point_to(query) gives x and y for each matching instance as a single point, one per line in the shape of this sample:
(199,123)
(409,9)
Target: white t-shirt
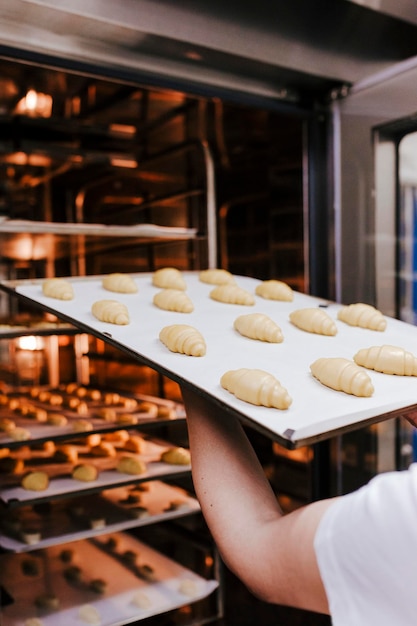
(366,547)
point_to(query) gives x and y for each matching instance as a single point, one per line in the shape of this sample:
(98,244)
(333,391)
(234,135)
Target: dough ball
(176,456)
(35,481)
(131,465)
(85,472)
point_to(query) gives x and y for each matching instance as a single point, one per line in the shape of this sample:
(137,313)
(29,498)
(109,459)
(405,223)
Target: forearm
(273,554)
(236,499)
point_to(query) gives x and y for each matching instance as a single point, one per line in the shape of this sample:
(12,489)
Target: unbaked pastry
(188,587)
(131,465)
(258,326)
(257,387)
(275,290)
(85,472)
(232,294)
(169,278)
(146,572)
(128,403)
(6,424)
(31,536)
(342,375)
(105,449)
(94,394)
(89,614)
(47,601)
(58,288)
(82,408)
(107,414)
(35,481)
(66,453)
(56,419)
(72,403)
(126,418)
(91,440)
(141,600)
(111,397)
(97,523)
(55,399)
(19,433)
(167,412)
(314,320)
(173,300)
(388,360)
(183,339)
(150,408)
(176,456)
(34,621)
(4,452)
(216,276)
(362,315)
(135,443)
(119,283)
(117,436)
(111,311)
(81,426)
(40,415)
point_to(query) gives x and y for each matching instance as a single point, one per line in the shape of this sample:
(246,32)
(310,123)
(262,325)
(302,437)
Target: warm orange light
(193,55)
(30,342)
(35,104)
(130,163)
(122,129)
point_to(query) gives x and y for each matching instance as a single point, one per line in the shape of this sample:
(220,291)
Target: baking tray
(115,606)
(61,483)
(316,413)
(42,431)
(63,521)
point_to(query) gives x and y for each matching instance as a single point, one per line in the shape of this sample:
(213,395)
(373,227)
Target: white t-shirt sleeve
(366,547)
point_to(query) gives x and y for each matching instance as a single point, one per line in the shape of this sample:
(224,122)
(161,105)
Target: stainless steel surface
(273,48)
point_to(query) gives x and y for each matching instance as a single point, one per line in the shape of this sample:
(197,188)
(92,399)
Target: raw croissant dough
(183,339)
(111,311)
(58,288)
(257,387)
(176,456)
(35,481)
(120,283)
(259,326)
(216,277)
(388,360)
(342,375)
(275,290)
(314,320)
(131,465)
(88,614)
(85,472)
(169,278)
(232,294)
(363,315)
(173,300)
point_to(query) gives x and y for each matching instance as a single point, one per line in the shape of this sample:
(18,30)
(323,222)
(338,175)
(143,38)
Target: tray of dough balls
(44,524)
(200,329)
(109,581)
(98,462)
(38,413)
